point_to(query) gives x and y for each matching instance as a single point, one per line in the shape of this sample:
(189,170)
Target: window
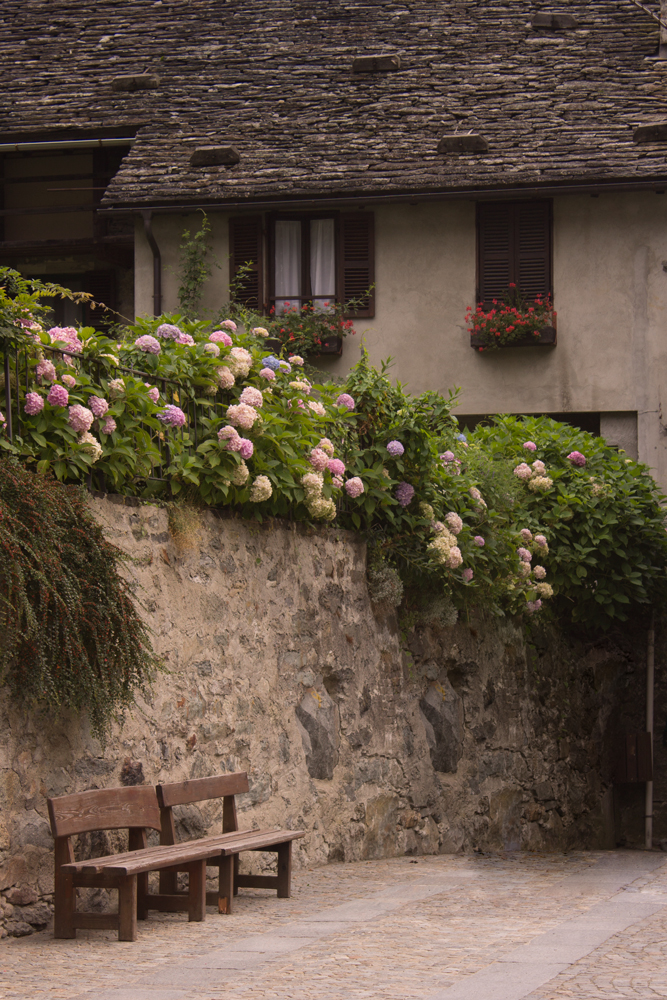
(513,248)
(316,258)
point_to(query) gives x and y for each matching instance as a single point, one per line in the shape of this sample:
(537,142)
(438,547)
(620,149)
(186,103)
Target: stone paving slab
(586,925)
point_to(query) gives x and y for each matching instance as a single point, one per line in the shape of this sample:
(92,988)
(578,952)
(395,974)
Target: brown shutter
(533,248)
(246,247)
(356,260)
(513,245)
(102,286)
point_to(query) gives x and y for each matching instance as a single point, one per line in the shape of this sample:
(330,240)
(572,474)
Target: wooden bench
(227,847)
(135,809)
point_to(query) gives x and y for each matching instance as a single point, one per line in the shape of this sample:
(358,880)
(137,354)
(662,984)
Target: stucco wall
(278,664)
(610,292)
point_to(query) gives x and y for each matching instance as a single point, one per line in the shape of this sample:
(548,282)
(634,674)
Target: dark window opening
(582,421)
(50,228)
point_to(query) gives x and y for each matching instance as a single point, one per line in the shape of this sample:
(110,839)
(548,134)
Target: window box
(547,338)
(330,346)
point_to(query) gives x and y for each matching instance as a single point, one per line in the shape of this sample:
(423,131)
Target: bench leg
(168,883)
(142,896)
(64,907)
(236,872)
(226,884)
(127,909)
(197,890)
(284,869)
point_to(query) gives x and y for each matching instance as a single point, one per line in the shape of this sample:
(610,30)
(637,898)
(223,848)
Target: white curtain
(288,264)
(322,262)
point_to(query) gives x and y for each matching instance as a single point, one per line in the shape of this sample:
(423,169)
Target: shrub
(72,638)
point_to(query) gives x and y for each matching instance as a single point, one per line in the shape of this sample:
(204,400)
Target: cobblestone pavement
(586,925)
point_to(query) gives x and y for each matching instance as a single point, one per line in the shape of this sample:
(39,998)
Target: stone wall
(449,740)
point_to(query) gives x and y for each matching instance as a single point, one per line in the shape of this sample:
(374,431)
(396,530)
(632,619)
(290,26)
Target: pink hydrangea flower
(58,396)
(186,340)
(230,324)
(354,487)
(168,331)
(148,344)
(317,407)
(541,541)
(246,448)
(523,471)
(295,359)
(539,572)
(524,555)
(577,458)
(225,377)
(66,335)
(454,522)
(154,394)
(109,426)
(267,374)
(231,436)
(396,449)
(478,540)
(530,446)
(34,404)
(98,406)
(533,606)
(318,459)
(335,466)
(345,400)
(220,337)
(252,396)
(539,468)
(326,445)
(212,349)
(69,381)
(172,416)
(242,415)
(46,371)
(467,575)
(337,482)
(80,418)
(455,558)
(526,535)
(447,456)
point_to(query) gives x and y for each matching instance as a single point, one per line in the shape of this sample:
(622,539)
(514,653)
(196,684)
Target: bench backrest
(180,793)
(104,809)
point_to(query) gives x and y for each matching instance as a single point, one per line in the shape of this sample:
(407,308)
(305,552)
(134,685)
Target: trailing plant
(71,636)
(510,320)
(196,267)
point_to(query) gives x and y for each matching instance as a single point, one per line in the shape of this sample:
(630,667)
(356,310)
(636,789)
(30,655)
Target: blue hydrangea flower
(271,362)
(461,437)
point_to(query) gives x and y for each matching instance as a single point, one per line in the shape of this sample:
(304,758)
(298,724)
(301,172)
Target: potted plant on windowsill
(313,330)
(512,323)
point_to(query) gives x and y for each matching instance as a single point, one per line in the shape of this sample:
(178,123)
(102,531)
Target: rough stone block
(318,720)
(442,714)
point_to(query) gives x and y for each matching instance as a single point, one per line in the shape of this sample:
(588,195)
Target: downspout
(157,263)
(650,670)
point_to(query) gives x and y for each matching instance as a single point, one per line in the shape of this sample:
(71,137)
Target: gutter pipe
(157,262)
(659,185)
(650,677)
(32,147)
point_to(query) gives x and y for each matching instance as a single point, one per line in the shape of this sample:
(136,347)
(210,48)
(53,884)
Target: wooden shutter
(246,247)
(532,224)
(102,286)
(356,260)
(513,246)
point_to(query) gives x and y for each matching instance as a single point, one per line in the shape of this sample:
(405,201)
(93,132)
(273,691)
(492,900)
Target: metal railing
(19,374)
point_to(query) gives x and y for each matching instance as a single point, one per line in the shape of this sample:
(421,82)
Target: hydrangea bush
(520,515)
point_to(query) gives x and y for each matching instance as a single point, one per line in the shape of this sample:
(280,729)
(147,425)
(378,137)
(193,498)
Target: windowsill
(547,338)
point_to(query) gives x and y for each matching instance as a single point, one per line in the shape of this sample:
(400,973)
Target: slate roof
(274,78)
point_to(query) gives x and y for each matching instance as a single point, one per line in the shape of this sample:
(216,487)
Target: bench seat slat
(259,840)
(157,858)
